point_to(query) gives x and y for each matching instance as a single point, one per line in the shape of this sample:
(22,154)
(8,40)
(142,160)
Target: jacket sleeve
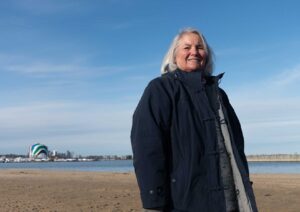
(236,129)
(149,139)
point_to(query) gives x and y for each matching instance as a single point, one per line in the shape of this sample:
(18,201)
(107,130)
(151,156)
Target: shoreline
(85,161)
(50,190)
(273,160)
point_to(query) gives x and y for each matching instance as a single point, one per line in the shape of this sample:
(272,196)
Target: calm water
(126,166)
(274,167)
(101,166)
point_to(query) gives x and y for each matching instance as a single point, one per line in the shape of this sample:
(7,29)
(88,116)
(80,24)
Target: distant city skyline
(72,72)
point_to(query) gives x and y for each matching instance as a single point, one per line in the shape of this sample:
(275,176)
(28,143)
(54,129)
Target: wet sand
(29,190)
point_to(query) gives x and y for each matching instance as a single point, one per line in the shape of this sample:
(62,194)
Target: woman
(187,141)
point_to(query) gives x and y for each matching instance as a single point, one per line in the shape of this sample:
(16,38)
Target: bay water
(127,166)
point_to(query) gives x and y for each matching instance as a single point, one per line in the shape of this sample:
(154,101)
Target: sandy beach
(29,190)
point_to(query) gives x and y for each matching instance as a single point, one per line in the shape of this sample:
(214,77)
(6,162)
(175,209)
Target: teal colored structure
(38,151)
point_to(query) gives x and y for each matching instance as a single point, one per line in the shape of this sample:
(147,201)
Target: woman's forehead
(190,39)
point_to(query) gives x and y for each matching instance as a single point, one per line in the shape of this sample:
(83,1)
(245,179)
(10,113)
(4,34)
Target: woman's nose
(194,51)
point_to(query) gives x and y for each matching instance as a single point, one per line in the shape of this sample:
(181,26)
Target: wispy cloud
(238,51)
(41,67)
(44,68)
(267,113)
(48,114)
(55,121)
(30,66)
(288,77)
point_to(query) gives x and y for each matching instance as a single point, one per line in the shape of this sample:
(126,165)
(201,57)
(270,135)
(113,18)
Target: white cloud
(69,114)
(267,112)
(42,68)
(288,76)
(74,67)
(239,51)
(65,124)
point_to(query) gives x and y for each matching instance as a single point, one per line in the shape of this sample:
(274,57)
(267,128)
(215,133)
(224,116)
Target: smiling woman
(188,46)
(190,53)
(187,142)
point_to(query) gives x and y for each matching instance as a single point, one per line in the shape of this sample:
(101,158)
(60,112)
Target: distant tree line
(13,156)
(70,155)
(109,157)
(274,157)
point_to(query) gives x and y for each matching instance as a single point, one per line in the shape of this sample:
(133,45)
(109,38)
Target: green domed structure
(38,151)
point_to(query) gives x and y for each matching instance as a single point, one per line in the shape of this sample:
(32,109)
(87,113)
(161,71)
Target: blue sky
(72,72)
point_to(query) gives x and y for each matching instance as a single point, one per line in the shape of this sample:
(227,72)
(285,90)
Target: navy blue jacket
(174,144)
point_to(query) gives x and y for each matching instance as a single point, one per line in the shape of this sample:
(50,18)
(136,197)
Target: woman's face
(190,54)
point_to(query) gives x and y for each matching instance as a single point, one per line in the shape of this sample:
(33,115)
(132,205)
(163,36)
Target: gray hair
(168,63)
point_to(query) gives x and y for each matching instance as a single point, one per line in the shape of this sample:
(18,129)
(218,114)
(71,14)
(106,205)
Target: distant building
(54,153)
(38,151)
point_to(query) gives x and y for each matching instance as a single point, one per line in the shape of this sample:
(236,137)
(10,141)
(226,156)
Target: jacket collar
(195,80)
(209,80)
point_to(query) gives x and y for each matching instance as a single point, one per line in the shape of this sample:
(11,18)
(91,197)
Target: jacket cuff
(154,198)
